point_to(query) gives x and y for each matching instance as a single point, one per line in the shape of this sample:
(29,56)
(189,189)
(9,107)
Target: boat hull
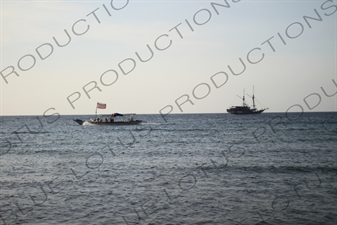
(117,123)
(244,112)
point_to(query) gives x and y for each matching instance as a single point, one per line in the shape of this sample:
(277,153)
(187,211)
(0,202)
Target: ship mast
(253,99)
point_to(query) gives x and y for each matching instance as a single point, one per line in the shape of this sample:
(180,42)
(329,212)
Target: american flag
(101,105)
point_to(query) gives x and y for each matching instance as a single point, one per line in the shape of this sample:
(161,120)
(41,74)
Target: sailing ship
(245,109)
(125,119)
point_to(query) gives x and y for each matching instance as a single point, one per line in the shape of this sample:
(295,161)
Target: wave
(32,132)
(286,169)
(273,169)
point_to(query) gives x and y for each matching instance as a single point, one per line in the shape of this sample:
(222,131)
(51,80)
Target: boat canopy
(118,114)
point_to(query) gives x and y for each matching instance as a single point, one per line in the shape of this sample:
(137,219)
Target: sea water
(272,168)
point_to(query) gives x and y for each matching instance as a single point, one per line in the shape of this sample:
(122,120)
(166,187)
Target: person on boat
(106,120)
(112,119)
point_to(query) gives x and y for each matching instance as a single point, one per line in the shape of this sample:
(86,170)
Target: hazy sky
(287,56)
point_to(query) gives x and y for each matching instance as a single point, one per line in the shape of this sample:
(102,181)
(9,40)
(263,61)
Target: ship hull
(238,112)
(118,123)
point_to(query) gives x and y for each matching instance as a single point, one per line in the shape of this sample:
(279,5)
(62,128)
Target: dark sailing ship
(245,109)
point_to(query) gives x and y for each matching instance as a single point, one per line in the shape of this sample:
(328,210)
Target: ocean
(194,169)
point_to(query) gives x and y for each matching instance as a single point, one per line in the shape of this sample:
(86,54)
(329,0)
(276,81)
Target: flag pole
(96,111)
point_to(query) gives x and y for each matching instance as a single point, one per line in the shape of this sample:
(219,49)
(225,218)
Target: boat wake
(86,123)
(151,123)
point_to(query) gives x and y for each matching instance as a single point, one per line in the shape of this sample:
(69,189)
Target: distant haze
(184,57)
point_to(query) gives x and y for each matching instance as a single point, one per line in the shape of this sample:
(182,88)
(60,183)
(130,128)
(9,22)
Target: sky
(197,47)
